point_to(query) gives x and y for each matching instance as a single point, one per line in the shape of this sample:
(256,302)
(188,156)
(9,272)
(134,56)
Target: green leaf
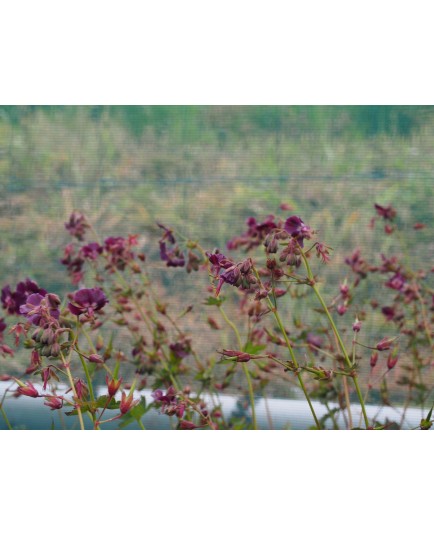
(135,414)
(101,402)
(214,301)
(253,349)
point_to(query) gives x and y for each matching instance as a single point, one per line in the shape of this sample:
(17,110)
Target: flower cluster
(235,274)
(13,300)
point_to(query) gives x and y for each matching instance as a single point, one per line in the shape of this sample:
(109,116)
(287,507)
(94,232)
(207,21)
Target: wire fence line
(19,185)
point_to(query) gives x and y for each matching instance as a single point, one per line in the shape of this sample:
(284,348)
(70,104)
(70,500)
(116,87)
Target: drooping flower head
(387,213)
(255,234)
(77,225)
(119,250)
(87,301)
(91,251)
(173,257)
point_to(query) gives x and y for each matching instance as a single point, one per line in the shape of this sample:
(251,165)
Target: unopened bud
(53,300)
(391,361)
(113,385)
(95,358)
(28,390)
(127,403)
(357,325)
(53,402)
(385,344)
(187,425)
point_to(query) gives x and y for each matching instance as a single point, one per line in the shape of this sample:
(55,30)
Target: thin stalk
(291,351)
(5,417)
(336,332)
(71,383)
(244,367)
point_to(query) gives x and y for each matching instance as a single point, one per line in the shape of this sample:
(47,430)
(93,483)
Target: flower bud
(384,344)
(95,358)
(5,377)
(187,425)
(341,309)
(391,361)
(357,325)
(53,402)
(53,300)
(80,388)
(28,390)
(374,359)
(113,385)
(127,403)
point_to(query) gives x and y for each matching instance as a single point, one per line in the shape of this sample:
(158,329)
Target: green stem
(244,367)
(337,335)
(71,383)
(5,417)
(88,378)
(291,351)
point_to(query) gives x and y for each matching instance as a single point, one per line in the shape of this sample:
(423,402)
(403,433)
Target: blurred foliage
(190,121)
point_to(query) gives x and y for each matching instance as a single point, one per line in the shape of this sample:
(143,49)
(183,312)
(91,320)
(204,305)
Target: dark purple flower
(388,312)
(173,257)
(87,300)
(181,349)
(170,405)
(119,250)
(237,275)
(74,263)
(77,225)
(255,234)
(168,234)
(12,301)
(218,261)
(396,282)
(40,309)
(387,213)
(91,251)
(295,227)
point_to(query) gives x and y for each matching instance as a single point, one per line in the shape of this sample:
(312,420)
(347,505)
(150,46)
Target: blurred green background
(205,169)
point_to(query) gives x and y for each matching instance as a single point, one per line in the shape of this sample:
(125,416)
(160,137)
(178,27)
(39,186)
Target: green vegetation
(83,144)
